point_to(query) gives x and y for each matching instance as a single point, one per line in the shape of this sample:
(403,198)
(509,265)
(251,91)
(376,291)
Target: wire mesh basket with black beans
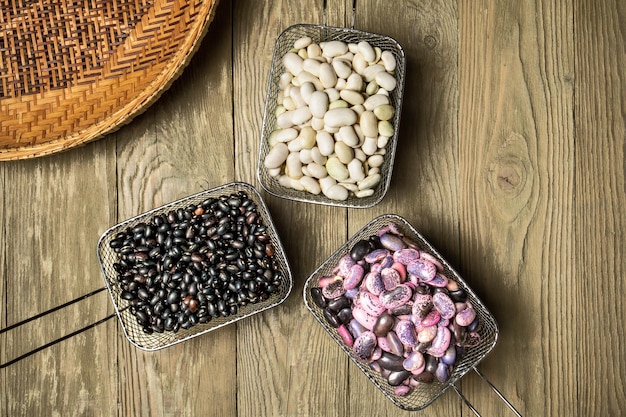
(424,393)
(194,265)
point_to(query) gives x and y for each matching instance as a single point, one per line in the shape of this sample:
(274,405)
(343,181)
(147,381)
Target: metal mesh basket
(320,33)
(424,394)
(153,341)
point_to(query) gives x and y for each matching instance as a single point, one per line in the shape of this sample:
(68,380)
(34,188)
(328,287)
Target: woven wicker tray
(72,71)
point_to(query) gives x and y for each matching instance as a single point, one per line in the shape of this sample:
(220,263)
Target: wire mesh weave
(71,71)
(319,33)
(153,341)
(424,394)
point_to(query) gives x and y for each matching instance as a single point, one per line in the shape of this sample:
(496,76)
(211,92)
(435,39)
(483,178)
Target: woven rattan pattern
(71,71)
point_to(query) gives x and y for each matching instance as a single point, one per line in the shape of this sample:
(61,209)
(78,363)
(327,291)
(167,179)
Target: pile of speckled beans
(391,303)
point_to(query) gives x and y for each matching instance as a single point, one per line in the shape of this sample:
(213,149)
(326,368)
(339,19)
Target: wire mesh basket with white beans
(340,152)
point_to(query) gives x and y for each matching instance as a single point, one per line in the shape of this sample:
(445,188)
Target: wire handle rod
(502,397)
(60,339)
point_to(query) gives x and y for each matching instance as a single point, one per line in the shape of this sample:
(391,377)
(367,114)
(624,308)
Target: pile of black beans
(193,264)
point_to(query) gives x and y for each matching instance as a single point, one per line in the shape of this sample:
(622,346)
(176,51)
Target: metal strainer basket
(155,340)
(321,33)
(424,394)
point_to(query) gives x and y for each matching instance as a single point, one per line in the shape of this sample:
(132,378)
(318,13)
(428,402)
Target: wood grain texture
(180,148)
(600,195)
(517,150)
(274,347)
(510,161)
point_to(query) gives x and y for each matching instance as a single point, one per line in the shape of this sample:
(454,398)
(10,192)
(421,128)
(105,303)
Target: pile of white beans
(333,118)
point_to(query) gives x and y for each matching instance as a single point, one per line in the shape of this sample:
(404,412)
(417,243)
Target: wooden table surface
(510,161)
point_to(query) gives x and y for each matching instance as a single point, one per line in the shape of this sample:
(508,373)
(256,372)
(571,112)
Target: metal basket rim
(432,250)
(305,197)
(288,275)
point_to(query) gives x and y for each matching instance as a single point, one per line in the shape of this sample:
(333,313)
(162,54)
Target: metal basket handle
(60,339)
(502,397)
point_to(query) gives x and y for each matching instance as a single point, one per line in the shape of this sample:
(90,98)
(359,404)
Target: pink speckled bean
(354,277)
(406,256)
(391,278)
(424,270)
(401,270)
(431,318)
(369,303)
(430,258)
(443,304)
(374,283)
(344,265)
(396,297)
(439,281)
(427,334)
(366,320)
(364,346)
(401,390)
(406,333)
(440,342)
(466,316)
(345,335)
(376,255)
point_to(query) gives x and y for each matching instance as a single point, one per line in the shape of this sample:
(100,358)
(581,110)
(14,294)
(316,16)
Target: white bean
(307,135)
(368,123)
(276,156)
(334,48)
(316,170)
(389,61)
(327,76)
(367,51)
(285,135)
(385,128)
(313,50)
(325,143)
(336,169)
(303,42)
(352,97)
(317,156)
(364,193)
(337,192)
(294,166)
(344,153)
(306,90)
(311,185)
(305,156)
(359,63)
(333,94)
(385,80)
(354,82)
(312,66)
(293,63)
(349,136)
(374,101)
(375,161)
(369,182)
(301,115)
(326,183)
(340,117)
(370,72)
(342,68)
(355,168)
(369,146)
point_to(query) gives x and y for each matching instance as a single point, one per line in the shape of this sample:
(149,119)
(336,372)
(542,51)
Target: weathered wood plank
(424,182)
(178,148)
(516,154)
(50,229)
(284,347)
(600,195)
